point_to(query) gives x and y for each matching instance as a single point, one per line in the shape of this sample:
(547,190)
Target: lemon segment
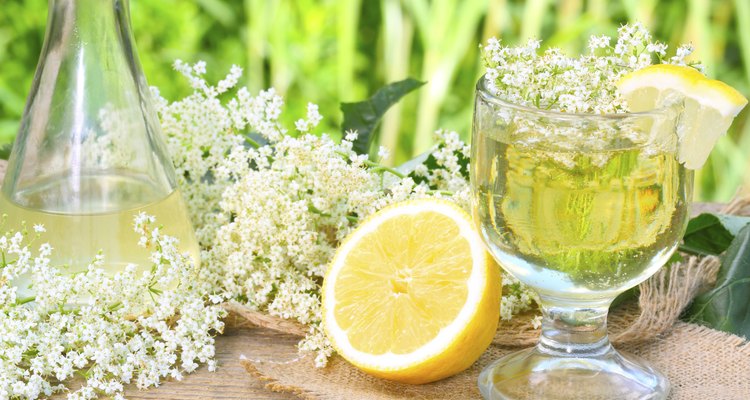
(709,105)
(412,295)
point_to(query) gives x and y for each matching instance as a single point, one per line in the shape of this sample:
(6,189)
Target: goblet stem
(573,360)
(570,329)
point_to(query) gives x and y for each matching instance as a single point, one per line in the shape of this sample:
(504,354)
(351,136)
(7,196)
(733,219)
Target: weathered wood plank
(230,381)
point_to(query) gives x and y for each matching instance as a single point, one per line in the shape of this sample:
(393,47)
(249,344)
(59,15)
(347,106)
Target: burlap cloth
(700,363)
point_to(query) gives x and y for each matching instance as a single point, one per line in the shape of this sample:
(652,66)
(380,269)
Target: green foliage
(5,151)
(364,116)
(333,51)
(711,234)
(431,163)
(21,36)
(726,306)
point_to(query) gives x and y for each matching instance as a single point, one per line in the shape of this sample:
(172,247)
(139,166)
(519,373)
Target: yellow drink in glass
(580,207)
(579,223)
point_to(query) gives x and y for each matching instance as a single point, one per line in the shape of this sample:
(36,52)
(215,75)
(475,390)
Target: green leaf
(364,116)
(254,139)
(409,166)
(5,151)
(630,294)
(431,163)
(711,234)
(727,306)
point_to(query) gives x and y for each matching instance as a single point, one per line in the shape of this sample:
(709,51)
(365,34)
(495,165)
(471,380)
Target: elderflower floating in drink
(582,178)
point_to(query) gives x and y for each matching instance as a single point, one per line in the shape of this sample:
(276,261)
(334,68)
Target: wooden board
(230,381)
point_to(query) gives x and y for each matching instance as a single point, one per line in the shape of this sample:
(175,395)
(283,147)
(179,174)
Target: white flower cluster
(586,84)
(200,130)
(109,329)
(277,205)
(517,298)
(269,209)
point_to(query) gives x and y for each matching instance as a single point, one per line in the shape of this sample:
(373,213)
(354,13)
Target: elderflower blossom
(289,212)
(586,84)
(384,153)
(517,297)
(200,130)
(111,329)
(313,119)
(269,211)
(271,208)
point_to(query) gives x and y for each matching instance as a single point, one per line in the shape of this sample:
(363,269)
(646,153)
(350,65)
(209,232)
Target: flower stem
(440,192)
(251,141)
(378,167)
(375,166)
(25,300)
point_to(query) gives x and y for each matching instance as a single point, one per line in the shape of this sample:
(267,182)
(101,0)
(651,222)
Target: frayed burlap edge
(665,295)
(662,299)
(241,315)
(273,384)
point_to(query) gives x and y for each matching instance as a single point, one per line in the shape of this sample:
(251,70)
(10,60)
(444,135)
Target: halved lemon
(412,294)
(710,105)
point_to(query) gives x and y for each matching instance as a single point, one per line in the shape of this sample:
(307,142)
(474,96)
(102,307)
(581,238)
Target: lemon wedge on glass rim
(412,295)
(710,105)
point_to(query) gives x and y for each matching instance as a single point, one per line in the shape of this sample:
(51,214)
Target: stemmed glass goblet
(580,207)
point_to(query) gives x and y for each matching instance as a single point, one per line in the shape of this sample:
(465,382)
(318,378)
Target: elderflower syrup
(89,154)
(102,222)
(579,223)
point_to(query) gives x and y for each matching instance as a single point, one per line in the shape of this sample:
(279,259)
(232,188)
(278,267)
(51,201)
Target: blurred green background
(328,51)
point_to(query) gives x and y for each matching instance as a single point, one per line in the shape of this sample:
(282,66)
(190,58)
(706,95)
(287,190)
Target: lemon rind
(707,92)
(448,335)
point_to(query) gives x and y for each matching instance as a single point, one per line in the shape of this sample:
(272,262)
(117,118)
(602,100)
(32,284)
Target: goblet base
(537,374)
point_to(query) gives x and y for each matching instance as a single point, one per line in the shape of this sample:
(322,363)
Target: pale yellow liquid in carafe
(102,221)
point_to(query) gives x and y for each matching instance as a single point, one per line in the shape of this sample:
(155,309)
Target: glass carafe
(89,154)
